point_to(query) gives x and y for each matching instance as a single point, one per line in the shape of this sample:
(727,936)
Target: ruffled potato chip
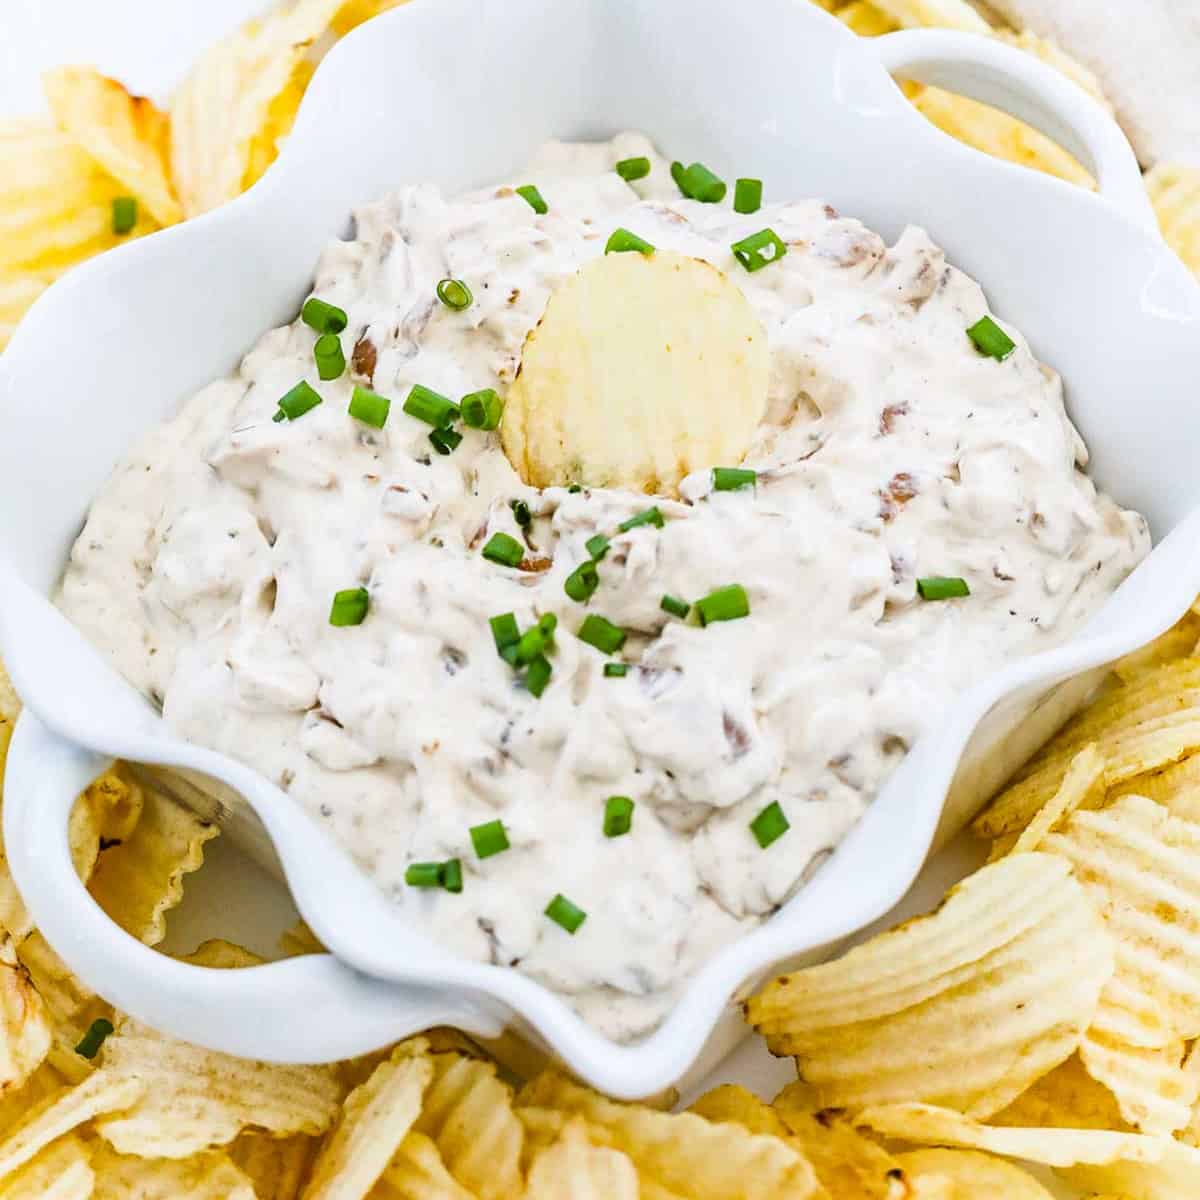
(104,816)
(1175,193)
(1154,1092)
(62,1171)
(209,1176)
(573,1167)
(965,1007)
(731,1102)
(25,1033)
(942,14)
(1082,787)
(971,1175)
(1067,1098)
(865,19)
(417,1172)
(643,368)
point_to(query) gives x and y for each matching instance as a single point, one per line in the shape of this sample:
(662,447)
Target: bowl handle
(1021,85)
(308,1009)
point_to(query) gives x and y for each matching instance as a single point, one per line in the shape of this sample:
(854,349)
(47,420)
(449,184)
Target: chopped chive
(327,353)
(618,816)
(675,606)
(509,654)
(533,198)
(759,249)
(942,587)
(445,441)
(697,182)
(562,912)
(597,546)
(725,604)
(990,339)
(481,410)
(431,407)
(349,607)
(521,513)
(424,875)
(582,581)
(323,317)
(503,549)
(124,214)
(616,670)
(489,838)
(455,294)
(538,675)
(505,631)
(452,877)
(729,479)
(548,623)
(574,488)
(301,399)
(678,173)
(648,516)
(90,1043)
(747,195)
(770,825)
(369,407)
(630,169)
(600,632)
(279,416)
(533,644)
(622,240)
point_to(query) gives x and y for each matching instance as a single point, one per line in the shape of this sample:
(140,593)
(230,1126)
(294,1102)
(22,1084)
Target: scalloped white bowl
(460,92)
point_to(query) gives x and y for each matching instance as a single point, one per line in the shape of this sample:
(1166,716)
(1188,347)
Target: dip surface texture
(891,450)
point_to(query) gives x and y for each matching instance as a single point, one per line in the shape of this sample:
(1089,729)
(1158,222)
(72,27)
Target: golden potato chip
(64,1110)
(17,1102)
(1175,193)
(1053,55)
(417,1172)
(683,1152)
(60,1172)
(276,1166)
(140,880)
(1154,1093)
(730,1102)
(1176,788)
(103,816)
(644,367)
(222,956)
(865,19)
(972,1174)
(376,1117)
(573,1167)
(208,1176)
(1067,1098)
(127,135)
(10,703)
(1178,642)
(468,1113)
(196,1099)
(298,940)
(14,917)
(943,14)
(25,1033)
(965,1007)
(1082,787)
(354,12)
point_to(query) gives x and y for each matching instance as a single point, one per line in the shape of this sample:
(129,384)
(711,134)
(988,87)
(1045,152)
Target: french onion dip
(912,514)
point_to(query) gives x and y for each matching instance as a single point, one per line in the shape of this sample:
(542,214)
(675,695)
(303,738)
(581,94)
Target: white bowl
(460,92)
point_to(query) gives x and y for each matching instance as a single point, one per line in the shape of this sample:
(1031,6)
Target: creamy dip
(892,450)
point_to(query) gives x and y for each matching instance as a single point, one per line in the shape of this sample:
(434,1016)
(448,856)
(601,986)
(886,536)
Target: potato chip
(10,703)
(730,1102)
(1154,1093)
(276,1166)
(62,1171)
(103,816)
(972,1175)
(127,135)
(16,1103)
(376,1117)
(140,880)
(573,1167)
(943,14)
(1067,1098)
(14,916)
(965,1007)
(1082,787)
(1176,788)
(417,1172)
(196,1099)
(1175,193)
(1178,642)
(25,1033)
(298,940)
(222,956)
(209,1176)
(468,1113)
(865,19)
(1053,55)
(643,368)
(683,1152)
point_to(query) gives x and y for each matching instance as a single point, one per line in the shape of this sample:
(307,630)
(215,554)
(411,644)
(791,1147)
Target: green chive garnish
(759,250)
(630,169)
(301,399)
(445,441)
(747,195)
(424,875)
(538,675)
(503,549)
(600,632)
(455,294)
(452,877)
(618,816)
(697,182)
(327,352)
(489,838)
(533,198)
(521,513)
(349,607)
(675,606)
(574,488)
(770,825)
(562,912)
(729,479)
(124,214)
(582,581)
(597,546)
(649,516)
(324,318)
(431,407)
(505,632)
(678,171)
(481,410)
(622,240)
(533,644)
(616,670)
(90,1043)
(990,339)
(942,587)
(725,604)
(369,407)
